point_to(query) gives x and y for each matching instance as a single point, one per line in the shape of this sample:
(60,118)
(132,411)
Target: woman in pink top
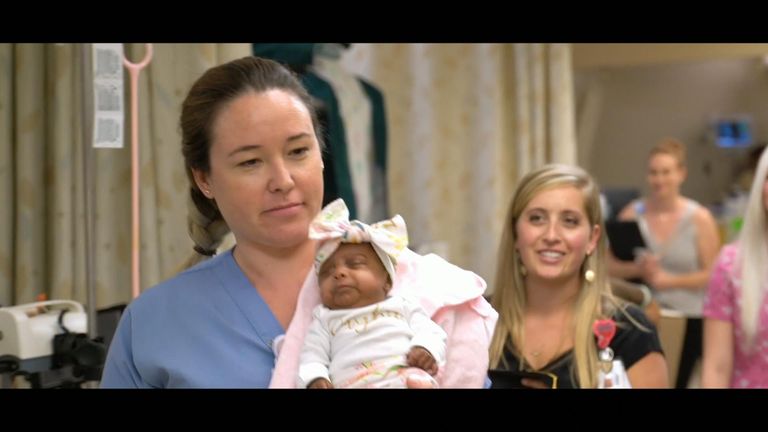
(735,308)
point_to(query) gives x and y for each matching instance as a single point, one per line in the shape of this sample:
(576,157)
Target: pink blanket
(451,295)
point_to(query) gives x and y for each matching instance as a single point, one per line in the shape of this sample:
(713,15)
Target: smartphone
(513,379)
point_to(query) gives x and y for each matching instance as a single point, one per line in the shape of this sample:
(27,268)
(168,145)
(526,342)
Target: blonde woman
(736,308)
(552,287)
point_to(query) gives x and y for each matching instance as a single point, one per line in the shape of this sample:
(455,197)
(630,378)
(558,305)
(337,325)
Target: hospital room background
(462,123)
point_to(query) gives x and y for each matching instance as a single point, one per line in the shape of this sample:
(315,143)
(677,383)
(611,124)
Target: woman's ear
(201,180)
(594,238)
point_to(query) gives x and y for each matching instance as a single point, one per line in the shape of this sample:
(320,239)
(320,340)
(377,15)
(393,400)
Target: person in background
(639,295)
(636,293)
(252,151)
(736,305)
(552,291)
(682,242)
(362,336)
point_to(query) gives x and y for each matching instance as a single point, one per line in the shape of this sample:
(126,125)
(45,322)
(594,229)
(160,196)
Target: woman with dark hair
(252,150)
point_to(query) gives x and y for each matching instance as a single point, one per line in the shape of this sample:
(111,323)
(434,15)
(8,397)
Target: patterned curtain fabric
(466,121)
(42,221)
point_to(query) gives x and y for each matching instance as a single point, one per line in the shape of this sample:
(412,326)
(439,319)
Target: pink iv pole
(133,70)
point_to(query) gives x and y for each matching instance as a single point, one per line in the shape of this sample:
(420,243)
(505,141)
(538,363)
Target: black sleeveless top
(630,344)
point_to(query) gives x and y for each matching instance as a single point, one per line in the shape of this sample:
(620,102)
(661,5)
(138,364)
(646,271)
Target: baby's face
(353,277)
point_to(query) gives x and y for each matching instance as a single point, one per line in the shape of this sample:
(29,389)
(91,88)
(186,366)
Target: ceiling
(587,56)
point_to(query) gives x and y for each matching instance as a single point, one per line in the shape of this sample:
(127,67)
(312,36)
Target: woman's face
(266,168)
(665,175)
(554,235)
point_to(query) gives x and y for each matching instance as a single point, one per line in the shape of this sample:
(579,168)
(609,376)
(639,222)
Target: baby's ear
(387,286)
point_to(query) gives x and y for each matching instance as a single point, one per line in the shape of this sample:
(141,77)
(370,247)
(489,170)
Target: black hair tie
(205,252)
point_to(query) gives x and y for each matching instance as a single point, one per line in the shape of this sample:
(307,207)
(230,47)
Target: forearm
(427,334)
(695,281)
(635,293)
(715,375)
(315,357)
(433,342)
(717,361)
(623,269)
(309,372)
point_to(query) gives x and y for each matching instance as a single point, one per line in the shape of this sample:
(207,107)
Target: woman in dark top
(629,345)
(552,291)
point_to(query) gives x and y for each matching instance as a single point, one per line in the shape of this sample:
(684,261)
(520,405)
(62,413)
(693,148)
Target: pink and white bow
(333,227)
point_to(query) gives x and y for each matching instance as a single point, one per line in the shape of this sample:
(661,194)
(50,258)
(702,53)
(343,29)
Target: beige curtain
(465,121)
(42,224)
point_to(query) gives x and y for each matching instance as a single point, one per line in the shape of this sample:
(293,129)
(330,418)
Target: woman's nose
(281,179)
(551,234)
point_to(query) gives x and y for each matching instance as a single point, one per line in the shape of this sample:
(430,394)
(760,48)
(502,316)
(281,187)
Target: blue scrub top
(207,327)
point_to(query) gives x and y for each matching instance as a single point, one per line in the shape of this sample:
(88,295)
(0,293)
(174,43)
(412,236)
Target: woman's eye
(571,221)
(299,151)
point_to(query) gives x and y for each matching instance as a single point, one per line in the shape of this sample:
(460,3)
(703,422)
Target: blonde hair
(753,254)
(595,300)
(672,147)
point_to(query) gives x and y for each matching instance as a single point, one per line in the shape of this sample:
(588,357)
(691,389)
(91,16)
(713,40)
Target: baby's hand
(320,383)
(422,359)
